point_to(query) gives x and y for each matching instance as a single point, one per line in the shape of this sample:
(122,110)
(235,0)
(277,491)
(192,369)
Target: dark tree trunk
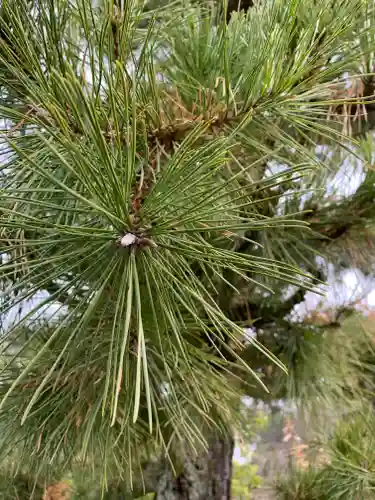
(207,478)
(235,5)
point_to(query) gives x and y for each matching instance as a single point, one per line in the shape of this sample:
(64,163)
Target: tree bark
(208,477)
(236,5)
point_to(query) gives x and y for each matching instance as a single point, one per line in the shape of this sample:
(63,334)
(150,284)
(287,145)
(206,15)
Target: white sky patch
(19,311)
(371,298)
(348,287)
(348,178)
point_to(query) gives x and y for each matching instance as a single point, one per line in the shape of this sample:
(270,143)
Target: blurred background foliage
(236,151)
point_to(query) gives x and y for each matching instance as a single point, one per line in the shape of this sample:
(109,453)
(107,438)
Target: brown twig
(143,187)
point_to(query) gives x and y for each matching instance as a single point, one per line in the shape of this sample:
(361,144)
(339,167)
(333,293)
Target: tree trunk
(208,477)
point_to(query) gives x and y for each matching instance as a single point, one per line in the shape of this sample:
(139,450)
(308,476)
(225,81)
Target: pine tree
(166,202)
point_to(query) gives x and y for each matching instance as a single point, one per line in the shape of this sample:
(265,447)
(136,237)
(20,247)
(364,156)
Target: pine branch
(132,190)
(338,218)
